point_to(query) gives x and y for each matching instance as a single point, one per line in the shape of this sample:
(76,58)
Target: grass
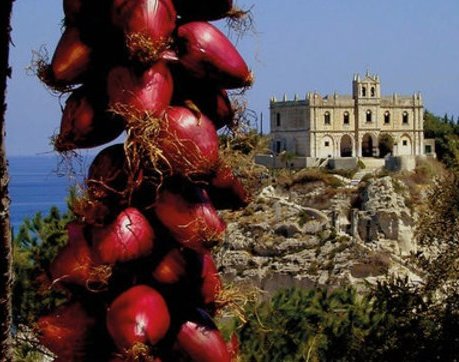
(313,175)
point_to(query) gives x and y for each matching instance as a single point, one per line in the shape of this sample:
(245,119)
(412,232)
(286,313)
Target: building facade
(364,124)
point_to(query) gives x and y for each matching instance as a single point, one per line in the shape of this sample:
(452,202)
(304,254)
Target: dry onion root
(144,50)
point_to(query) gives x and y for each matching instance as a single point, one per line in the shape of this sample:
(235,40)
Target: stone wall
(400,163)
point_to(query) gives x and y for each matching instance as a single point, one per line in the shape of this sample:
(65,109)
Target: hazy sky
(299,46)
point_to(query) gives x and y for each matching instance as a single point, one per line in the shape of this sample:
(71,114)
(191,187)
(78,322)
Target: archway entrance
(405,145)
(367,146)
(346,146)
(385,144)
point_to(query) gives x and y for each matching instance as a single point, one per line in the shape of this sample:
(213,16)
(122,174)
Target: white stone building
(349,125)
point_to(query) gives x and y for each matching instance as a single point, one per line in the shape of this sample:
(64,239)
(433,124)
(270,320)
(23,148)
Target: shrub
(313,325)
(361,165)
(313,175)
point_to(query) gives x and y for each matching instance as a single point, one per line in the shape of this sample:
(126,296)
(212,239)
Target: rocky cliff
(361,235)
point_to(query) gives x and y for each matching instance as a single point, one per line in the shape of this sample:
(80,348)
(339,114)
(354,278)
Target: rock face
(276,243)
(385,216)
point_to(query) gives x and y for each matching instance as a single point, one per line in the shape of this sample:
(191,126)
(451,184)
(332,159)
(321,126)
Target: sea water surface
(39,182)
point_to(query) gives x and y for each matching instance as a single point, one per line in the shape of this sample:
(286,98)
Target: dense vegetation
(396,322)
(445,131)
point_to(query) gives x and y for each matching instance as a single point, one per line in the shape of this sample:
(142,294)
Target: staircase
(372,165)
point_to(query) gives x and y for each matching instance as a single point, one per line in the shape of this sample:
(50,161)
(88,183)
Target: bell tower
(366,90)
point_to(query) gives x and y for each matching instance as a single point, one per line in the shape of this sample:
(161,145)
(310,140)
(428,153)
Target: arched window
(369,116)
(278,119)
(364,91)
(405,117)
(372,91)
(346,117)
(386,117)
(327,118)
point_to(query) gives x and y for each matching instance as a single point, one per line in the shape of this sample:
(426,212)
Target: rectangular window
(405,143)
(278,119)
(369,117)
(405,118)
(278,146)
(327,143)
(428,149)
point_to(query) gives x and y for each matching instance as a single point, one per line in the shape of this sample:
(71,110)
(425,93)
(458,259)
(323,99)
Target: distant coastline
(38,182)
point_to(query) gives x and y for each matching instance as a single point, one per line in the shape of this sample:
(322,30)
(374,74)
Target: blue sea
(39,182)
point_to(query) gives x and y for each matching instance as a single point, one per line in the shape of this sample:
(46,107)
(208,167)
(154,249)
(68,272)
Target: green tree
(386,144)
(35,246)
(446,135)
(308,325)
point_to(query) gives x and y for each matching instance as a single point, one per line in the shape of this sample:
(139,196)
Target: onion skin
(139,315)
(194,224)
(113,186)
(127,238)
(226,191)
(108,173)
(72,10)
(171,268)
(74,262)
(201,341)
(205,10)
(71,59)
(211,283)
(206,97)
(189,143)
(85,123)
(65,332)
(155,19)
(207,54)
(148,93)
(217,106)
(108,186)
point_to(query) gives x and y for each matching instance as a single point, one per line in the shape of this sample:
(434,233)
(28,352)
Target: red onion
(129,237)
(207,54)
(203,9)
(119,359)
(139,315)
(194,223)
(72,10)
(208,98)
(188,142)
(201,341)
(65,332)
(74,263)
(71,58)
(154,18)
(147,24)
(171,268)
(226,191)
(85,123)
(211,282)
(108,173)
(136,94)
